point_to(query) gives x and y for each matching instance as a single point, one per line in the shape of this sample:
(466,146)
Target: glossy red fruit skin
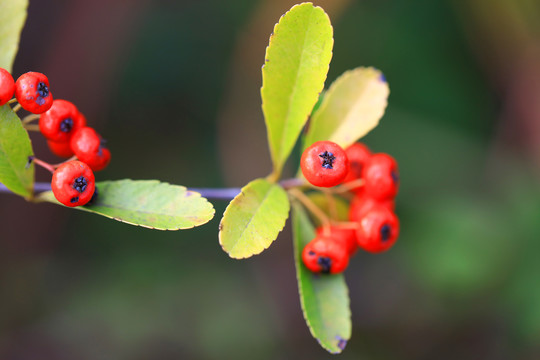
(324,164)
(378,230)
(73,183)
(358,154)
(381,177)
(346,236)
(7,86)
(87,145)
(61,121)
(326,256)
(60,149)
(362,203)
(33,93)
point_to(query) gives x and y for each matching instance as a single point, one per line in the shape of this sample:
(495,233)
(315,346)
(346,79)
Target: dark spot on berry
(80,184)
(382,77)
(395,176)
(42,89)
(311,252)
(328,160)
(74,200)
(66,125)
(386,231)
(325,263)
(341,342)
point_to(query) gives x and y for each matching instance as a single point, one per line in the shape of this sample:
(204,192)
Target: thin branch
(29,118)
(312,208)
(209,193)
(216,194)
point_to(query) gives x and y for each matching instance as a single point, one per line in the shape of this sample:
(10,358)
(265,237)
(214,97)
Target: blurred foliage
(460,283)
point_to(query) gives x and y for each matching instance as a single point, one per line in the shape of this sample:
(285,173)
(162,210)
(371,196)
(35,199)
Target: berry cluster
(372,180)
(67,134)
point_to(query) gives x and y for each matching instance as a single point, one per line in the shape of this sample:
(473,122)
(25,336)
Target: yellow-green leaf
(12,17)
(15,148)
(352,106)
(324,298)
(253,219)
(295,68)
(148,203)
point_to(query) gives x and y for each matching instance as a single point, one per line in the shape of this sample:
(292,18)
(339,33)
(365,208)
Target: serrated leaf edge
(43,197)
(277,169)
(228,209)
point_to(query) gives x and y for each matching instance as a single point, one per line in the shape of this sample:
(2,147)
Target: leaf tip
(341,343)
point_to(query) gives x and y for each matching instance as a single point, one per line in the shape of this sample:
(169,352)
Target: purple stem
(209,193)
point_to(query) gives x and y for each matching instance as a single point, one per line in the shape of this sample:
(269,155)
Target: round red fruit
(358,154)
(345,236)
(381,177)
(324,164)
(61,149)
(7,86)
(378,230)
(324,255)
(33,93)
(73,183)
(362,203)
(61,121)
(89,147)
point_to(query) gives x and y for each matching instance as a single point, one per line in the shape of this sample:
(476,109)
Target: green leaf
(352,106)
(253,219)
(296,64)
(147,203)
(324,298)
(12,17)
(15,148)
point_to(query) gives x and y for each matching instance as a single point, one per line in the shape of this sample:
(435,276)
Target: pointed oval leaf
(12,17)
(15,148)
(296,65)
(253,219)
(324,298)
(147,203)
(352,106)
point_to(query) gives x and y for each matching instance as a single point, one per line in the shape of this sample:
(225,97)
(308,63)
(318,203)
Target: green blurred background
(174,86)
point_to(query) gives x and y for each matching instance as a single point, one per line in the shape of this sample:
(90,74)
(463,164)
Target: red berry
(61,121)
(378,229)
(381,177)
(73,183)
(61,149)
(358,154)
(88,146)
(362,203)
(345,236)
(324,164)
(324,255)
(32,92)
(7,86)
